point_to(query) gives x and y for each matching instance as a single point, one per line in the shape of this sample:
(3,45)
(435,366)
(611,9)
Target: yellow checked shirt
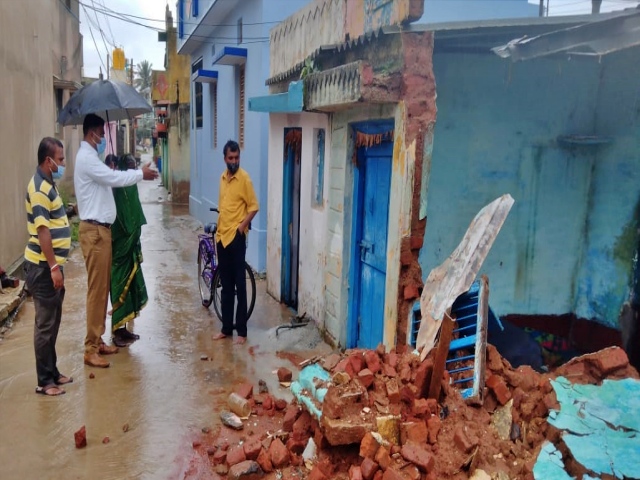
(45,209)
(237,200)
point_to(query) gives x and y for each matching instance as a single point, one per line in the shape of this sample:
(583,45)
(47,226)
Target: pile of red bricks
(376,423)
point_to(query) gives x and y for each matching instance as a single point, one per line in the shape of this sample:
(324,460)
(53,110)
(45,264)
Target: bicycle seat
(211,228)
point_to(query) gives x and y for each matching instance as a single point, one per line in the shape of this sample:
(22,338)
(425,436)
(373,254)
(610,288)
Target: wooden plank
(442,353)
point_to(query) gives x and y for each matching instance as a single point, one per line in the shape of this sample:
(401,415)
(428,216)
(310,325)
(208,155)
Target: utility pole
(541,9)
(595,6)
(132,131)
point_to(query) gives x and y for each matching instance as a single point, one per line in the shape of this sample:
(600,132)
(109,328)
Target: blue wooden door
(374,165)
(291,222)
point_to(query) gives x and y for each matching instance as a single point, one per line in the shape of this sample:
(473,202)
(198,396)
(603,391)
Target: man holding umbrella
(93,182)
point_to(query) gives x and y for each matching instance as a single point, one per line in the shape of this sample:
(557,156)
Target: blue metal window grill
(194,8)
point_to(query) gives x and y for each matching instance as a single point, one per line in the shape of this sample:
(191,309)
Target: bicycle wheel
(251,292)
(205,277)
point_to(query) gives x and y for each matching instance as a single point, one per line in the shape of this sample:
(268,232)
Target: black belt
(100,224)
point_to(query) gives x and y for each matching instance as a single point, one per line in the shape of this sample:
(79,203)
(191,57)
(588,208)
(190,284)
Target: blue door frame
(355,330)
(290,225)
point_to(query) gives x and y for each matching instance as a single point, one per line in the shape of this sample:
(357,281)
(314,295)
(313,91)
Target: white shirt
(93,182)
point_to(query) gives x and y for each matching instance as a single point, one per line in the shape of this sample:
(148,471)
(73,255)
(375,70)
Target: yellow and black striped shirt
(45,209)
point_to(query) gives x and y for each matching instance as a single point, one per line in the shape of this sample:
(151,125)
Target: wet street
(159,386)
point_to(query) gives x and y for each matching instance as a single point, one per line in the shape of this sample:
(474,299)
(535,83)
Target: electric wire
(94,41)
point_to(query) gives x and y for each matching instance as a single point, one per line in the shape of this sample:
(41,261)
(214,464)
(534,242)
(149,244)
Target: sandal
(48,390)
(120,341)
(63,380)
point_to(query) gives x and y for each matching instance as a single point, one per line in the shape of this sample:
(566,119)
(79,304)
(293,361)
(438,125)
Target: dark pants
(233,278)
(48,304)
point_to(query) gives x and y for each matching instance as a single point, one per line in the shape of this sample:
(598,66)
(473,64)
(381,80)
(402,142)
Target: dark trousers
(48,304)
(234,283)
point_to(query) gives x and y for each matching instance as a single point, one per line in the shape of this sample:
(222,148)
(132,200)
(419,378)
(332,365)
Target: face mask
(57,175)
(102,146)
(233,167)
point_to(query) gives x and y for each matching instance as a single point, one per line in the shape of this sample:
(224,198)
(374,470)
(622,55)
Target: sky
(141,43)
(138,42)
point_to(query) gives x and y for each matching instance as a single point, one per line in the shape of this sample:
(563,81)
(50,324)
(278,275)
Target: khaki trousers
(95,242)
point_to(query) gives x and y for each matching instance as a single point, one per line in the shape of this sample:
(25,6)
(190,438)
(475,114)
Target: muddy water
(159,386)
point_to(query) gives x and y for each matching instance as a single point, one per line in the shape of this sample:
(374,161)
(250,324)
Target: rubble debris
(125,428)
(284,375)
(231,420)
(105,440)
(92,375)
(443,438)
(239,405)
(81,437)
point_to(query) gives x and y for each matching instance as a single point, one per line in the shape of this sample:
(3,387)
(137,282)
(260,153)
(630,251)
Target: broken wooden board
(456,274)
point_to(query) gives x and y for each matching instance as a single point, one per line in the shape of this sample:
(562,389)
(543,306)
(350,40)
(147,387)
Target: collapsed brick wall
(419,96)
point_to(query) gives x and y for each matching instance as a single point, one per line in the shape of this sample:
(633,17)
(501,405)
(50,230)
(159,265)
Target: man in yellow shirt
(45,254)
(238,205)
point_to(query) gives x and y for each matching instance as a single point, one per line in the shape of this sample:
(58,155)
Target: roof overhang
(230,56)
(289,102)
(207,23)
(205,76)
(595,38)
(61,84)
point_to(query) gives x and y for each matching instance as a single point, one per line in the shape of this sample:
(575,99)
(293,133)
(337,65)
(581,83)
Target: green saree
(128,290)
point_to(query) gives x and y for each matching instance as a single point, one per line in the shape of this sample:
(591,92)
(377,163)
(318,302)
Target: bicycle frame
(207,245)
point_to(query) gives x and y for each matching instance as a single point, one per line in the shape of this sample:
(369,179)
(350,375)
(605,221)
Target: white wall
(313,220)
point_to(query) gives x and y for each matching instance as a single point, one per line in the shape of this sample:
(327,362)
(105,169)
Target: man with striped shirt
(45,255)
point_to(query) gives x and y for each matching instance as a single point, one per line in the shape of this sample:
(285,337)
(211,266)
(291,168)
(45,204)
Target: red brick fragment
(392,359)
(236,455)
(219,457)
(393,392)
(245,390)
(280,404)
(433,427)
(413,432)
(369,446)
(81,437)
(383,457)
(355,473)
(296,446)
(372,359)
(284,375)
(267,402)
(302,427)
(279,454)
(264,461)
(368,468)
(419,456)
(356,361)
(464,440)
(290,416)
(316,474)
(420,407)
(252,448)
(366,377)
(609,360)
(423,377)
(392,474)
(499,388)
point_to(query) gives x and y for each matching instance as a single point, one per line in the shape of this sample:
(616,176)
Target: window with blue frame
(197,96)
(318,168)
(180,19)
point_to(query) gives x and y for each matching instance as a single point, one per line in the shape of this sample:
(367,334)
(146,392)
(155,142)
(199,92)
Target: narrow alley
(159,386)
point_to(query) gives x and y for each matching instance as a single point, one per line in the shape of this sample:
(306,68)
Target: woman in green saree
(128,290)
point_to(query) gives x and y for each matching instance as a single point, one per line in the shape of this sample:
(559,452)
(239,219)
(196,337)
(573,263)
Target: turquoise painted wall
(567,244)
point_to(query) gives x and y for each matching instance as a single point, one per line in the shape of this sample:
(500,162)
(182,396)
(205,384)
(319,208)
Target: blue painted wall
(436,11)
(568,243)
(207,162)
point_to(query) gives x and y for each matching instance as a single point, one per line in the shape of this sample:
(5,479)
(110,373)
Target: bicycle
(209,281)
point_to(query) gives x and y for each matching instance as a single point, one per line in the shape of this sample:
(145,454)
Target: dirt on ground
(377,423)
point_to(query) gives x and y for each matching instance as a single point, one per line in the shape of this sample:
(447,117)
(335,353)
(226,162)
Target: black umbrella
(110,99)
